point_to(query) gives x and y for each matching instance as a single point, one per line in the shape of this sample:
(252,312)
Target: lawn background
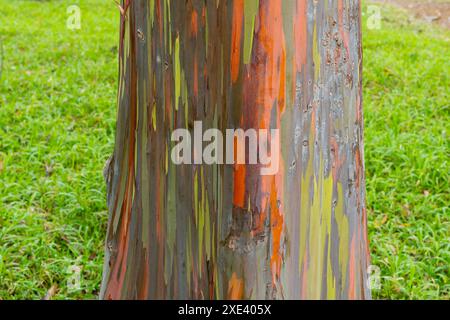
(57,122)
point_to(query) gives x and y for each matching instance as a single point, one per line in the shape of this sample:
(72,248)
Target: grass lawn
(57,120)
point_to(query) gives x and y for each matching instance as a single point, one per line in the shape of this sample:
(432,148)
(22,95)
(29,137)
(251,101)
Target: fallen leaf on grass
(406,212)
(50,293)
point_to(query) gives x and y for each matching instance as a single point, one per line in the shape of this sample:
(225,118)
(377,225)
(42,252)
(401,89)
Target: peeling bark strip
(223,231)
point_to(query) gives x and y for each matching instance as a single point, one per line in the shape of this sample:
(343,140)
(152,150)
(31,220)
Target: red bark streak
(159,17)
(144,280)
(195,76)
(239,179)
(300,35)
(204,16)
(351,285)
(194,23)
(118,270)
(344,34)
(337,161)
(236,38)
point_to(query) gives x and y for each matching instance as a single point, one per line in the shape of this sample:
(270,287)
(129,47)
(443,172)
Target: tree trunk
(225,231)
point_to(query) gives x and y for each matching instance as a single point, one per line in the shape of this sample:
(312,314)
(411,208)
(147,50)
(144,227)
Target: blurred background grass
(57,120)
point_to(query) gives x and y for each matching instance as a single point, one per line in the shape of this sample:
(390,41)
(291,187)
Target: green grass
(57,120)
(406,95)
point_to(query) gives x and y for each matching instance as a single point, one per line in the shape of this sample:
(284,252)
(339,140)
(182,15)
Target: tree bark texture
(225,231)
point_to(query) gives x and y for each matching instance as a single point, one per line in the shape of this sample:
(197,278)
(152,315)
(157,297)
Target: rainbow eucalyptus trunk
(225,231)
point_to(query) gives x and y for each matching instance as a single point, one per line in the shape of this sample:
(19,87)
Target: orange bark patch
(194,23)
(277,221)
(235,288)
(239,185)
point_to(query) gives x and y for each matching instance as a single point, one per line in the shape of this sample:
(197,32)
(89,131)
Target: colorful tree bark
(225,231)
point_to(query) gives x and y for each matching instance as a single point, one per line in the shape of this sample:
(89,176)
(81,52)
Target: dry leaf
(50,293)
(406,212)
